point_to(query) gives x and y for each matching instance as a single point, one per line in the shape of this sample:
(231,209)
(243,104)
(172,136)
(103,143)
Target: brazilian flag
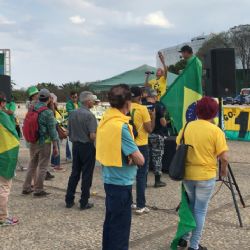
(9,146)
(186,220)
(182,95)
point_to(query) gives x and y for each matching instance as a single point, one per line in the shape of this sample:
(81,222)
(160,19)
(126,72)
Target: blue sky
(70,40)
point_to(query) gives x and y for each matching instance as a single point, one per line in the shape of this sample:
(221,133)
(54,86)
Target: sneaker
(10,221)
(41,194)
(26,192)
(70,205)
(59,169)
(87,206)
(144,210)
(133,206)
(182,243)
(49,176)
(200,248)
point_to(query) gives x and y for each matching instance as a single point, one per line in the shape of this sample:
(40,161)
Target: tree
(179,66)
(220,40)
(19,95)
(240,39)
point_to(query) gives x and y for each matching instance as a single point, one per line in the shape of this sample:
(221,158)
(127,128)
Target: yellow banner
(237,118)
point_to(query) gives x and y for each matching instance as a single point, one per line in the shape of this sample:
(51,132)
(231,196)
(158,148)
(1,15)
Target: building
(5,66)
(173,56)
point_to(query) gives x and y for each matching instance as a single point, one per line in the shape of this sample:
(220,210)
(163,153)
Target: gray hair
(86,96)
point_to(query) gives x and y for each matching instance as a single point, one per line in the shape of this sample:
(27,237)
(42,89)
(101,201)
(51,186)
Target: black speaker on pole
(220,79)
(5,86)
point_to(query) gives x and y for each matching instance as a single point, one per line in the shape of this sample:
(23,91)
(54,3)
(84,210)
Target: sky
(69,40)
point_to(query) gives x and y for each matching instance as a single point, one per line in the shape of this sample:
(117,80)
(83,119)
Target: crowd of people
(128,138)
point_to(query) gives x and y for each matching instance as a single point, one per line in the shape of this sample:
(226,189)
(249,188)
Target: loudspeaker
(5,86)
(220,79)
(169,152)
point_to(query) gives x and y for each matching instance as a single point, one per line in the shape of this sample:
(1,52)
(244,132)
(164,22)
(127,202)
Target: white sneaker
(144,210)
(133,206)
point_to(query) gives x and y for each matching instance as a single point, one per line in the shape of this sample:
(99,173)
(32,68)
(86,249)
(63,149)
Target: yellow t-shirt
(208,142)
(159,85)
(76,105)
(141,116)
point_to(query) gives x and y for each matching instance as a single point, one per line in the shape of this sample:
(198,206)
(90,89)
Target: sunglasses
(75,96)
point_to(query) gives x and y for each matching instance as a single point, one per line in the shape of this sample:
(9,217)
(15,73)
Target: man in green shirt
(186,53)
(10,109)
(71,105)
(40,151)
(73,102)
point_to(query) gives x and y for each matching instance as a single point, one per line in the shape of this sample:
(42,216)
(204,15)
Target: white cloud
(157,19)
(77,20)
(5,21)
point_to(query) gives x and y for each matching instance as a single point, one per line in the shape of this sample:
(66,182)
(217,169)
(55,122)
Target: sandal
(10,221)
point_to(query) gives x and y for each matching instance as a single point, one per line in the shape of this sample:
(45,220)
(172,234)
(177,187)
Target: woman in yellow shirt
(208,144)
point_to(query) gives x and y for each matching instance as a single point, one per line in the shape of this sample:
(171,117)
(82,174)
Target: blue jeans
(117,224)
(199,194)
(141,178)
(56,160)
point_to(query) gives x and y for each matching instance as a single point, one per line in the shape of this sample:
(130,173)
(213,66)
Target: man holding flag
(8,159)
(180,100)
(182,95)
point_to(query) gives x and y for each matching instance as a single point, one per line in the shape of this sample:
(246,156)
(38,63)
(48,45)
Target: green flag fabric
(182,95)
(9,146)
(186,220)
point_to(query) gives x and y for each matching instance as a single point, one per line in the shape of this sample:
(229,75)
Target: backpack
(31,126)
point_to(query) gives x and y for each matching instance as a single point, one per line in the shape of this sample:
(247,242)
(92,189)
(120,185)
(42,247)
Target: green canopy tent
(134,77)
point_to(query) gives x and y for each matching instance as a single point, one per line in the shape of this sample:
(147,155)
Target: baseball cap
(32,91)
(95,98)
(186,48)
(44,93)
(151,92)
(136,91)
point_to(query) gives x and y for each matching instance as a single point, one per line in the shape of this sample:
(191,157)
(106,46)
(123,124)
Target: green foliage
(19,95)
(220,40)
(179,66)
(62,92)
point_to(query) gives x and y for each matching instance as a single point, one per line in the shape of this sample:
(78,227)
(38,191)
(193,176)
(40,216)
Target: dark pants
(141,178)
(116,228)
(83,163)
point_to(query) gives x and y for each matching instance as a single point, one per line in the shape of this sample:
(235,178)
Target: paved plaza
(45,223)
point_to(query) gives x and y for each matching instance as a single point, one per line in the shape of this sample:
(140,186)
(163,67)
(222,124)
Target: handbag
(62,132)
(177,165)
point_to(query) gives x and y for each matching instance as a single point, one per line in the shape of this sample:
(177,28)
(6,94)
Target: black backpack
(131,122)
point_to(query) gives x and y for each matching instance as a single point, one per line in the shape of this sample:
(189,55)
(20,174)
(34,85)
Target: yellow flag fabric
(9,146)
(109,138)
(7,140)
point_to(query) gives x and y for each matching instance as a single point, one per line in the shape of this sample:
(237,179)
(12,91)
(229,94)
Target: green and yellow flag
(9,146)
(182,95)
(186,220)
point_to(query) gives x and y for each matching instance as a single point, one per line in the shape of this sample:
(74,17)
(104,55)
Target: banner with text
(237,123)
